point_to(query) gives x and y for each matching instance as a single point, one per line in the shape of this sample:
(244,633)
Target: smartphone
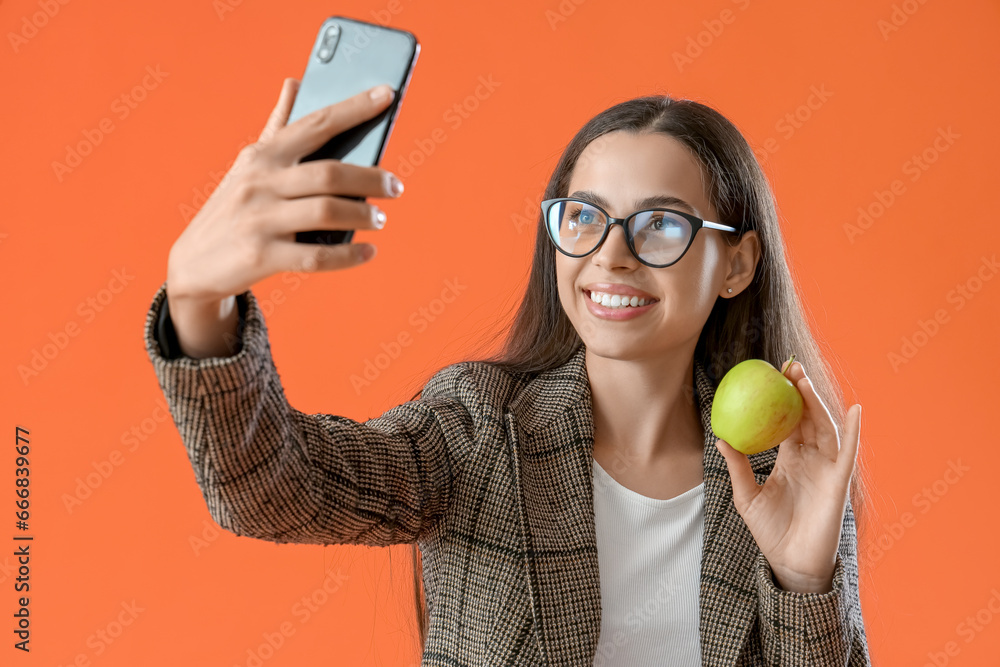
(349,57)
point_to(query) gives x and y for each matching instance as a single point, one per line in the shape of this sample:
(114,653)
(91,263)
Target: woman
(571,503)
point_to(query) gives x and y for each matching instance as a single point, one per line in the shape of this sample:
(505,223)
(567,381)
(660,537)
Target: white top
(649,551)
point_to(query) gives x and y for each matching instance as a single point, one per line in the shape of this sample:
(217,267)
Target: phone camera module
(330,38)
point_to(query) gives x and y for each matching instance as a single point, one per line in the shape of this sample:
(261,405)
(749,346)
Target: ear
(743,257)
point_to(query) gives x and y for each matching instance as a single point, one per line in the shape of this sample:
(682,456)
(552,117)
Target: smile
(617,307)
(618,301)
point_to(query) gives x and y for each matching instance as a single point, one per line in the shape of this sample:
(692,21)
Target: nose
(614,250)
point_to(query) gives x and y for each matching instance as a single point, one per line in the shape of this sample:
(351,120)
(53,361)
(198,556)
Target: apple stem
(788,363)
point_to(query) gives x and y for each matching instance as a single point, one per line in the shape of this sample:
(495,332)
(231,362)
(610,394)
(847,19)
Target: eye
(583,216)
(660,221)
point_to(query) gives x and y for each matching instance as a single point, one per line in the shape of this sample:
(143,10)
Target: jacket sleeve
(815,629)
(271,472)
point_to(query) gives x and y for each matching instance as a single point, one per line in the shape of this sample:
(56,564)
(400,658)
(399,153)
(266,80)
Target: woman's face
(622,168)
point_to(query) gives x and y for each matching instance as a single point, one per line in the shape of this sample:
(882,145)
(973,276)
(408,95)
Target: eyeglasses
(657,237)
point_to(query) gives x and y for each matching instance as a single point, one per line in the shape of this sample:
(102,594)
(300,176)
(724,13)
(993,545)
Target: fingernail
(379,219)
(395,186)
(381,93)
(365,251)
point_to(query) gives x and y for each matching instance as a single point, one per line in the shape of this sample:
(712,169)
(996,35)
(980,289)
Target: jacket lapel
(550,431)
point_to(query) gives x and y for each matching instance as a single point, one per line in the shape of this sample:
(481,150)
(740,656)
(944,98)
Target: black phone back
(349,57)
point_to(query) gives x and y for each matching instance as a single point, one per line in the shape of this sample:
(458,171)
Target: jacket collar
(551,431)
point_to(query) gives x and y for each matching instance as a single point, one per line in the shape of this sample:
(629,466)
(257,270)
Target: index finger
(825,429)
(279,115)
(313,130)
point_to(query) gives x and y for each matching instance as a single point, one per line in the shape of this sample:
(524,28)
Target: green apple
(755,406)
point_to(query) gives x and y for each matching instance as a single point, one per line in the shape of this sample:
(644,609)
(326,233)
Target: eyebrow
(654,201)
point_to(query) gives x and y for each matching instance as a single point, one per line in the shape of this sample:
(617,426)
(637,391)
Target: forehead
(624,167)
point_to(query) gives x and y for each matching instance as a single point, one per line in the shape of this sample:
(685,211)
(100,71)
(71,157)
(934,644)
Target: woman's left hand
(797,515)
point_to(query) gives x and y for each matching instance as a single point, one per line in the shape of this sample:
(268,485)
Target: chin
(613,347)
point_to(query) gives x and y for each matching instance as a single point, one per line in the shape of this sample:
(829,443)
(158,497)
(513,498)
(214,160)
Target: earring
(730,289)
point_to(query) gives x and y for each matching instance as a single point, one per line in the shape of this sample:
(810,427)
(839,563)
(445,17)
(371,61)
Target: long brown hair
(764,321)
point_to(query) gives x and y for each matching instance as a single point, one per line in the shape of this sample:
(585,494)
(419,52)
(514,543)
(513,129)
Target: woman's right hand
(245,231)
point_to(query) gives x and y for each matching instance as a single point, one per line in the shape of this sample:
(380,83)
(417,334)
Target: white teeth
(616,300)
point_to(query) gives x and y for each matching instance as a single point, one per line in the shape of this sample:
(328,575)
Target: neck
(645,410)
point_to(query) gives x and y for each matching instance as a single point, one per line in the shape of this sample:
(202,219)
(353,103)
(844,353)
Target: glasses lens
(660,236)
(575,226)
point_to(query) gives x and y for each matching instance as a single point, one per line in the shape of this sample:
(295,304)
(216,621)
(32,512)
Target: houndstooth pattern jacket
(492,477)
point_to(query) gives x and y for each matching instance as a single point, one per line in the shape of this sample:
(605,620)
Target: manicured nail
(395,186)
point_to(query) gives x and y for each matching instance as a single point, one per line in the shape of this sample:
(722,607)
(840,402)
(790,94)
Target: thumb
(279,116)
(745,487)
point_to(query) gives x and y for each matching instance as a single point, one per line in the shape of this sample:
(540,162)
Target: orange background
(555,65)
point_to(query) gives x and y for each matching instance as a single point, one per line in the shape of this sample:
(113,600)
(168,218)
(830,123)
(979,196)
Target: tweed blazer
(491,475)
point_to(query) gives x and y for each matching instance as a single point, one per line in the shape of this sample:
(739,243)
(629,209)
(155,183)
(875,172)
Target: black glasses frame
(696,224)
